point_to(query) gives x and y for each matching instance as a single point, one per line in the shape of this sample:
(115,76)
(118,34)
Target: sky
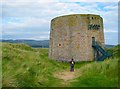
(30,19)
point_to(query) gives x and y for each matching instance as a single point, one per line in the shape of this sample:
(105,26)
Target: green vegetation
(23,66)
(99,74)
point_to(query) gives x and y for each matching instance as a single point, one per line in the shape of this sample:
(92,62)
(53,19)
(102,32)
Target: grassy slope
(27,67)
(0,65)
(98,74)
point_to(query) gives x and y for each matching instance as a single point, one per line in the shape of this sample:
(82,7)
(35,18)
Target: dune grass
(23,66)
(0,65)
(102,74)
(27,67)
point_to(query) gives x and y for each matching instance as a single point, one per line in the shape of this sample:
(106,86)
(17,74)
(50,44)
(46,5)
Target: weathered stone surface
(70,37)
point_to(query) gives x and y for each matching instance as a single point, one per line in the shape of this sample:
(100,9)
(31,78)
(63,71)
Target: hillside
(32,43)
(39,43)
(23,66)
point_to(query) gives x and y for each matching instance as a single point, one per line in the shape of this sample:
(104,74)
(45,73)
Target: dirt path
(67,76)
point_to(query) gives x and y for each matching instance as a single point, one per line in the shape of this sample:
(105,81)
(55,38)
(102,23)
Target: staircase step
(101,50)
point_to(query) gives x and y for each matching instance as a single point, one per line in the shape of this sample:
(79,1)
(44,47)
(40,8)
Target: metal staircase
(99,49)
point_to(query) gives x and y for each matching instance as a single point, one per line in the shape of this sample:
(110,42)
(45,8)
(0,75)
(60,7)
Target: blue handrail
(97,46)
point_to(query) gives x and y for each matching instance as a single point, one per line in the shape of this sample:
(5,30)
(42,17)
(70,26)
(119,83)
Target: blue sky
(24,19)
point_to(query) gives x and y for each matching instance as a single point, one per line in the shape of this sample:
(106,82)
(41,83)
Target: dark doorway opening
(93,41)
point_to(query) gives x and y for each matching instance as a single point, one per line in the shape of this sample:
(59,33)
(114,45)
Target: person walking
(72,62)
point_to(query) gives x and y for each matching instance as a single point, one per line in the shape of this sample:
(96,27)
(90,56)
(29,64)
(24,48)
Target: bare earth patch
(67,75)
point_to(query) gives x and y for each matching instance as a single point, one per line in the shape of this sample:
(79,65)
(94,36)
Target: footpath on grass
(67,76)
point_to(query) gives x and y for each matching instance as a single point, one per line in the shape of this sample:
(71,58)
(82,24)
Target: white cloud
(89,0)
(39,38)
(110,31)
(23,16)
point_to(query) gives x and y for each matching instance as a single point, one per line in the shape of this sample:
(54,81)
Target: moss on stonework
(72,32)
(72,21)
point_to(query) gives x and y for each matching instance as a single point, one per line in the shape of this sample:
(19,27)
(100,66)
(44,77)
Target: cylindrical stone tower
(71,36)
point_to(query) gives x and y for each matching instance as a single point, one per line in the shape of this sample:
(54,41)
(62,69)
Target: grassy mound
(24,66)
(102,74)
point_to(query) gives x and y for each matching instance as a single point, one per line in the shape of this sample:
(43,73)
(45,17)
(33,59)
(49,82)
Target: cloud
(110,31)
(89,0)
(23,19)
(39,38)
(111,38)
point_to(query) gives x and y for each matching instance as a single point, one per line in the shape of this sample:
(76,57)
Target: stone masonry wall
(71,37)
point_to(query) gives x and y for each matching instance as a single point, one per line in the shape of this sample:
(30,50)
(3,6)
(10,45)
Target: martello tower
(71,36)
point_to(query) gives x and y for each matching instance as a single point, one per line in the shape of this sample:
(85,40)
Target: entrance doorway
(93,41)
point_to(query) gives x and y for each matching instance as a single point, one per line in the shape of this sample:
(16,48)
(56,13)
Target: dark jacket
(72,62)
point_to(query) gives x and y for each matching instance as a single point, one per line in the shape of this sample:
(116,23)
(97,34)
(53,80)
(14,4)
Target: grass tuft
(23,66)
